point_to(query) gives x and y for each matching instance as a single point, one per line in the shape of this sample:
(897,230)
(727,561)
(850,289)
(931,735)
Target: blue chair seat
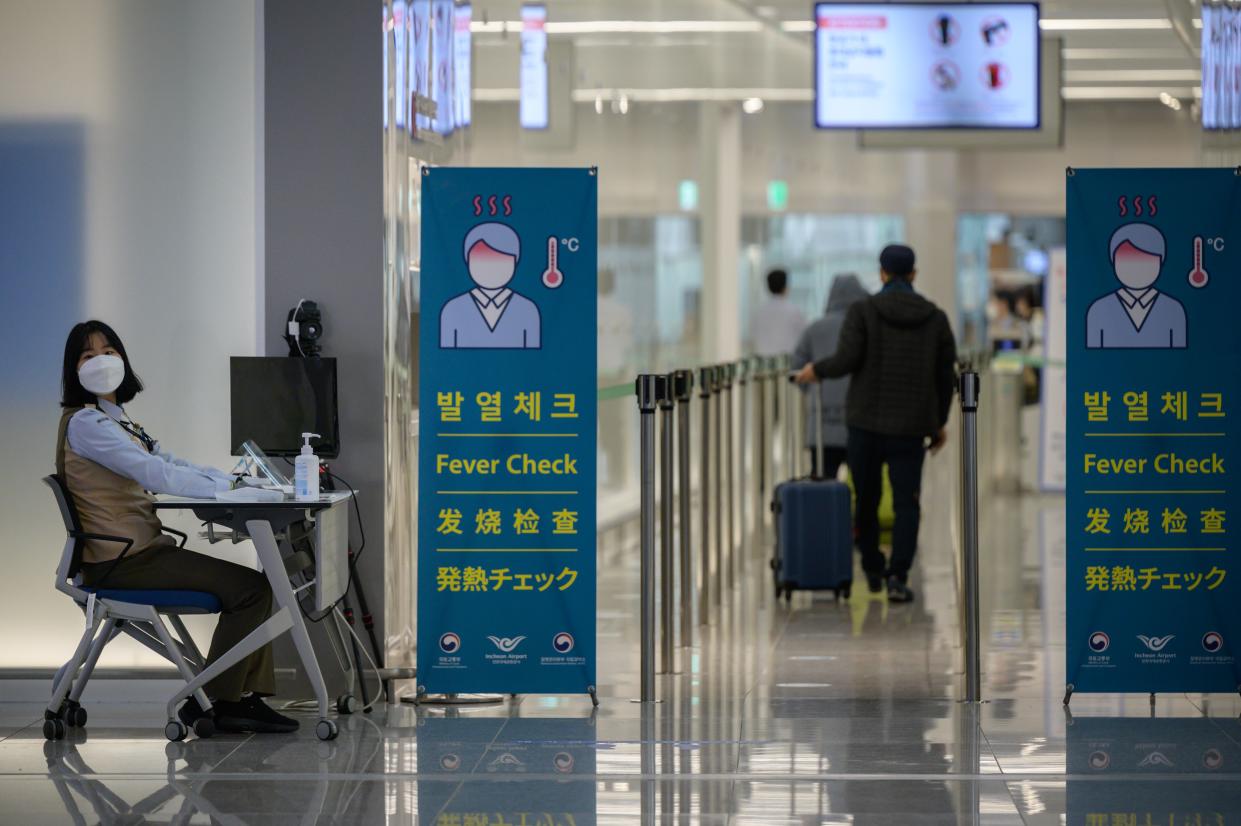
(196,601)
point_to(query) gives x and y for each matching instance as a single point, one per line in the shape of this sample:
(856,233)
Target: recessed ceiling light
(1078,24)
(752,106)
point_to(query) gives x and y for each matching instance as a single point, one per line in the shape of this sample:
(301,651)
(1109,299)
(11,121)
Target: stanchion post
(717,401)
(970,385)
(647,392)
(790,421)
(705,380)
(766,456)
(762,442)
(730,437)
(682,390)
(802,433)
(667,622)
(742,447)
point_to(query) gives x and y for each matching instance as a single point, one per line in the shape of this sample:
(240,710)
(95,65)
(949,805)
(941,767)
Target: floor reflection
(811,712)
(1174,771)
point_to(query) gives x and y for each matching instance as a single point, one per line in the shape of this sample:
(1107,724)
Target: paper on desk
(250,495)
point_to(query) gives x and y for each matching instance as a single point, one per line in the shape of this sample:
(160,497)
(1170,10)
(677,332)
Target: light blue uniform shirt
(97,436)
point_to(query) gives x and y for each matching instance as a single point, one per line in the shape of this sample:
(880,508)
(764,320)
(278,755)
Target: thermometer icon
(1198,277)
(552,276)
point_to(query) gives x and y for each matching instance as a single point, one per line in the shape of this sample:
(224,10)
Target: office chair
(140,613)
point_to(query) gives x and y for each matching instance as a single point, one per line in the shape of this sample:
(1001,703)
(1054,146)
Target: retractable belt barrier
(730,437)
(734,445)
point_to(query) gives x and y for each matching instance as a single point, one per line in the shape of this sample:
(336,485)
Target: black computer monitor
(275,400)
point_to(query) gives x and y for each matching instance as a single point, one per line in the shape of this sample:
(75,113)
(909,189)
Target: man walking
(899,349)
(778,323)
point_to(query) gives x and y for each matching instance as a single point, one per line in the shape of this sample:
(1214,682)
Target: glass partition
(1001,263)
(650,280)
(814,249)
(650,283)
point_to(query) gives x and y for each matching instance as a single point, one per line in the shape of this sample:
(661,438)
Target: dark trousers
(868,452)
(831,458)
(244,594)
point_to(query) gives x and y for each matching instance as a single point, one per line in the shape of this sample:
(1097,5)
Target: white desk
(262,521)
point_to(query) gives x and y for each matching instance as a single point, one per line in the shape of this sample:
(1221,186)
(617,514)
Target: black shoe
(874,583)
(899,591)
(190,711)
(262,718)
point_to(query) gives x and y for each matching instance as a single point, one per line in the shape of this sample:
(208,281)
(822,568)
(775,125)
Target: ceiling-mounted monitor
(1221,67)
(533,108)
(462,45)
(926,65)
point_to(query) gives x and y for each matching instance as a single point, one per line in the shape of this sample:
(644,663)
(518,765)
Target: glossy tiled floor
(814,712)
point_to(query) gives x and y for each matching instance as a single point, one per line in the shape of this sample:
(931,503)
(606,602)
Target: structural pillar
(719,188)
(931,209)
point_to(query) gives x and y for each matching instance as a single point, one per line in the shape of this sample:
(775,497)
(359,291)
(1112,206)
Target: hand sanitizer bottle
(306,473)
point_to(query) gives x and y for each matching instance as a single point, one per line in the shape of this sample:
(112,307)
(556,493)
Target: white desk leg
(273,566)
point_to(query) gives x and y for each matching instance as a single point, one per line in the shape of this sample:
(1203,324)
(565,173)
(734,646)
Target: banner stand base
(477,699)
(453,699)
(1068,695)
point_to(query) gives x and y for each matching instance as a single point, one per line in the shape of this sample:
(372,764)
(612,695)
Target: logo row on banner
(1154,362)
(507,469)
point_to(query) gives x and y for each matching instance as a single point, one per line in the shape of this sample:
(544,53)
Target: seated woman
(111,467)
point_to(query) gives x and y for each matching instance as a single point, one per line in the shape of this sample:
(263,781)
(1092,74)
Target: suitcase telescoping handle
(816,410)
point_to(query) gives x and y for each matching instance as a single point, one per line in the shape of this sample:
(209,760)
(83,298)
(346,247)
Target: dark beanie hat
(897,260)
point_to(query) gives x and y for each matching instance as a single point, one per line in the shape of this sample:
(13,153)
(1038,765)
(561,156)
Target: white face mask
(101,375)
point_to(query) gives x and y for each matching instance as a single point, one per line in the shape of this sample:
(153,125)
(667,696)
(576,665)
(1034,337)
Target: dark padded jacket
(899,349)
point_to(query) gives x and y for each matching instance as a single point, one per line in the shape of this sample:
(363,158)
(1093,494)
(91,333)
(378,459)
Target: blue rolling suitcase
(814,535)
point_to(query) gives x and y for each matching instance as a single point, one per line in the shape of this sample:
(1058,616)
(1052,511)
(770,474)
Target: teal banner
(506,485)
(1154,384)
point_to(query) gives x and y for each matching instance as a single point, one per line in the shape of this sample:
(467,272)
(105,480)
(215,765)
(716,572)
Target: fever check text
(518,464)
(1164,463)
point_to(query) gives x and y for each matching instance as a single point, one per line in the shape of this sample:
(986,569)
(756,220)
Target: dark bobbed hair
(72,393)
(777,281)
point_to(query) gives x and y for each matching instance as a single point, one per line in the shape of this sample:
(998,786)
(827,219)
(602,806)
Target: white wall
(154,104)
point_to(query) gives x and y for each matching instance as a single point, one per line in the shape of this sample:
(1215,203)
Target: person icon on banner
(491,315)
(1137,316)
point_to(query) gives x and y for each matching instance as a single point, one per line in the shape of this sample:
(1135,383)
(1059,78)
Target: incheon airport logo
(1156,759)
(450,643)
(1212,642)
(507,644)
(1100,642)
(1156,644)
(563,642)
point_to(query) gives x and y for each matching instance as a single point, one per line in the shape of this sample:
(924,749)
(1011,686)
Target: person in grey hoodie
(817,342)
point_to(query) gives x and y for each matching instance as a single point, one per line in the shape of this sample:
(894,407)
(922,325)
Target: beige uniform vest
(106,502)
